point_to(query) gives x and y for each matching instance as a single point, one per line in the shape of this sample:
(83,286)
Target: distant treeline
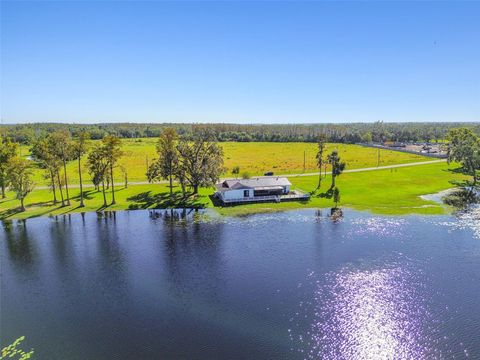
(341,133)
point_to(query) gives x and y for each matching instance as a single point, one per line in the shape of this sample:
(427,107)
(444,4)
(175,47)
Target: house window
(246,193)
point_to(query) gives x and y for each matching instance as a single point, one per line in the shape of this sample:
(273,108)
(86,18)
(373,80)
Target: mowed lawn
(256,158)
(392,191)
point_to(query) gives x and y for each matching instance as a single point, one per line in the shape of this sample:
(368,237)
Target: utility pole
(303,160)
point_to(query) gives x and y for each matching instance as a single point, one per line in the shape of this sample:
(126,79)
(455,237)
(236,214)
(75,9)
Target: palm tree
(337,166)
(322,140)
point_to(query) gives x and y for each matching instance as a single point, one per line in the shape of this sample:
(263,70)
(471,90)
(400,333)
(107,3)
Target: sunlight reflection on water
(377,313)
(378,226)
(466,220)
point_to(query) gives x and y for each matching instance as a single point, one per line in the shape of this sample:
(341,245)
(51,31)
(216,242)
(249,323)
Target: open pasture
(255,158)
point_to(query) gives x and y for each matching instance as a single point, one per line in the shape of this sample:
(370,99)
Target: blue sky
(243,62)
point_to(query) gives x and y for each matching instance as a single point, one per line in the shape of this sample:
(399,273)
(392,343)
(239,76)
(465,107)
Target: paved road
(120,184)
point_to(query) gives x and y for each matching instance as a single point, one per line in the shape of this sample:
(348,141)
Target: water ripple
(381,226)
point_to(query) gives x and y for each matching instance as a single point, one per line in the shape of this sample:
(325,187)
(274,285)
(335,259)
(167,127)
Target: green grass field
(254,158)
(392,191)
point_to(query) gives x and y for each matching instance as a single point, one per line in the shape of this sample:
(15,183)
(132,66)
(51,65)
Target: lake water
(142,285)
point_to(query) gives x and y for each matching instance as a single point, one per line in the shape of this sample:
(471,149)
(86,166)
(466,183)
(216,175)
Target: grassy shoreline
(388,191)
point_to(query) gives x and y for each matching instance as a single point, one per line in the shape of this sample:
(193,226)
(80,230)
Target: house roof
(259,183)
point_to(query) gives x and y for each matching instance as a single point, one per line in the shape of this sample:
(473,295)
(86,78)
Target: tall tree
(62,143)
(337,166)
(200,161)
(322,142)
(19,177)
(43,154)
(98,169)
(8,149)
(112,146)
(464,147)
(167,163)
(79,148)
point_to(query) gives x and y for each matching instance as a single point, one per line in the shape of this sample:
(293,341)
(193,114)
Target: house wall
(238,194)
(235,194)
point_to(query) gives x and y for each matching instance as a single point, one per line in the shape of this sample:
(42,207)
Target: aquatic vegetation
(13,351)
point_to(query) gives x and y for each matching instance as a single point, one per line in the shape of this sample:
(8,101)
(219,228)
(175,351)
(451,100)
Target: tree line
(339,133)
(193,164)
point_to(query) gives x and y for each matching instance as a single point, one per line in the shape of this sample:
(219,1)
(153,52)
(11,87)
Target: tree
(98,168)
(337,166)
(20,178)
(43,153)
(200,161)
(322,142)
(79,148)
(8,149)
(367,138)
(464,147)
(112,147)
(62,146)
(236,170)
(125,175)
(166,165)
(336,196)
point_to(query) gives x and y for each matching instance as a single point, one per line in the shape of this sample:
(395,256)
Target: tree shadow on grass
(148,200)
(457,170)
(87,195)
(460,183)
(326,195)
(17,210)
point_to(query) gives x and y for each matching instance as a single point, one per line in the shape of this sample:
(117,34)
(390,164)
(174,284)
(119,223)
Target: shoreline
(387,191)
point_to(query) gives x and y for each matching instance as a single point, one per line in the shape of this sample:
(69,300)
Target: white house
(245,190)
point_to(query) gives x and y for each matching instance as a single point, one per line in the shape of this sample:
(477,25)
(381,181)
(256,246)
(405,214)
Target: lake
(150,285)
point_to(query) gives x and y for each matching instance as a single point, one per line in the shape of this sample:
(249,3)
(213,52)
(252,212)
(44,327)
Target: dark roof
(254,183)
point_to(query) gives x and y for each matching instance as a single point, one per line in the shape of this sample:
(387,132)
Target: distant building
(251,190)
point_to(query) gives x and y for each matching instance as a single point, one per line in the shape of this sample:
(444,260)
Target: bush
(245,175)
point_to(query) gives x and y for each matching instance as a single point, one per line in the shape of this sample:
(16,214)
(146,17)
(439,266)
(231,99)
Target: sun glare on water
(364,314)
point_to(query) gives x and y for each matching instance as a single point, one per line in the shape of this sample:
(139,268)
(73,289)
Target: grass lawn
(392,191)
(256,158)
